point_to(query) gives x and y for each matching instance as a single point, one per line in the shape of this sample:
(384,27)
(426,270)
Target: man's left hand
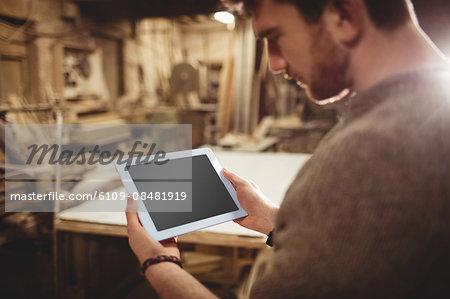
(142,244)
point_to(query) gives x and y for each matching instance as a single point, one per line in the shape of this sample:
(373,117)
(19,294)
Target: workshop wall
(126,63)
(36,33)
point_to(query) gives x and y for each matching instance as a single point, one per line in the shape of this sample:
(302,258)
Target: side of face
(308,52)
(286,35)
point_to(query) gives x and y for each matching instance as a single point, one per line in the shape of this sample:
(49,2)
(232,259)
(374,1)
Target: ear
(345,20)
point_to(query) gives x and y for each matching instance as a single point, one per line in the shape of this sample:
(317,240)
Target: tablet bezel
(144,215)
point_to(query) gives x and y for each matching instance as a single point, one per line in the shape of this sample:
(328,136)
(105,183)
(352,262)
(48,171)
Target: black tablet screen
(209,195)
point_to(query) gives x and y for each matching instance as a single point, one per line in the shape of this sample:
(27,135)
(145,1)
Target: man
(368,215)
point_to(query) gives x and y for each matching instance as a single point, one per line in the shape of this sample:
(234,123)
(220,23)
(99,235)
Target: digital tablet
(179,192)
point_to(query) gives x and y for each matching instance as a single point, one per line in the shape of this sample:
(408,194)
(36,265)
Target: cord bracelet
(160,258)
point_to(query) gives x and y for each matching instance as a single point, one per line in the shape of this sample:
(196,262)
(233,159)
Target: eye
(273,47)
(273,39)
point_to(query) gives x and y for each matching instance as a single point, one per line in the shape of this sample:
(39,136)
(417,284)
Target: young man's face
(305,51)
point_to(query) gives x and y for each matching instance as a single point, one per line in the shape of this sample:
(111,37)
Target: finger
(233,178)
(239,220)
(131,204)
(173,240)
(132,217)
(256,187)
(169,242)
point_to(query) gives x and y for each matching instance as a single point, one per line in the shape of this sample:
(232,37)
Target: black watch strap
(269,241)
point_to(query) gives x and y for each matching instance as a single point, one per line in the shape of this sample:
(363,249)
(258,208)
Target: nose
(277,63)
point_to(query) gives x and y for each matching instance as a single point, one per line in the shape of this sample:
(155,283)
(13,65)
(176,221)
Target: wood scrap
(226,90)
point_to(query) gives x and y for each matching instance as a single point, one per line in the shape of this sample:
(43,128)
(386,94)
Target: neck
(380,56)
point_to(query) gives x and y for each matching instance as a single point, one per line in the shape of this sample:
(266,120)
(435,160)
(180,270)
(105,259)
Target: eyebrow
(267,32)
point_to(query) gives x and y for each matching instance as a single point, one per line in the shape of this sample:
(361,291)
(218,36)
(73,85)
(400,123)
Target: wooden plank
(199,262)
(216,239)
(18,9)
(245,64)
(90,228)
(13,50)
(255,101)
(198,237)
(58,72)
(226,90)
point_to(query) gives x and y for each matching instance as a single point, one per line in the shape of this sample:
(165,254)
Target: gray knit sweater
(368,216)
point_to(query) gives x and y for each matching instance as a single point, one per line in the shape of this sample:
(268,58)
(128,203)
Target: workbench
(91,248)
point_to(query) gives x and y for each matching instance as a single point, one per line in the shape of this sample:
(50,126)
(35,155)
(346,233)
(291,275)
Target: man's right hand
(261,211)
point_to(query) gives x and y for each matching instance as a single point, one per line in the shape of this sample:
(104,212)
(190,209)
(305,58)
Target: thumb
(233,178)
(131,213)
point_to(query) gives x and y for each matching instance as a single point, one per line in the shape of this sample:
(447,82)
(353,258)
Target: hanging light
(224,17)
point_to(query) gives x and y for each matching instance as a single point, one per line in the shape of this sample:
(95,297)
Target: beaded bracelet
(160,258)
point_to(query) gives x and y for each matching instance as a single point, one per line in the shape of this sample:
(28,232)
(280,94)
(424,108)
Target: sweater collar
(402,83)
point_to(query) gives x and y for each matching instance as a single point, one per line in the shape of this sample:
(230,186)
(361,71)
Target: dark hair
(387,14)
